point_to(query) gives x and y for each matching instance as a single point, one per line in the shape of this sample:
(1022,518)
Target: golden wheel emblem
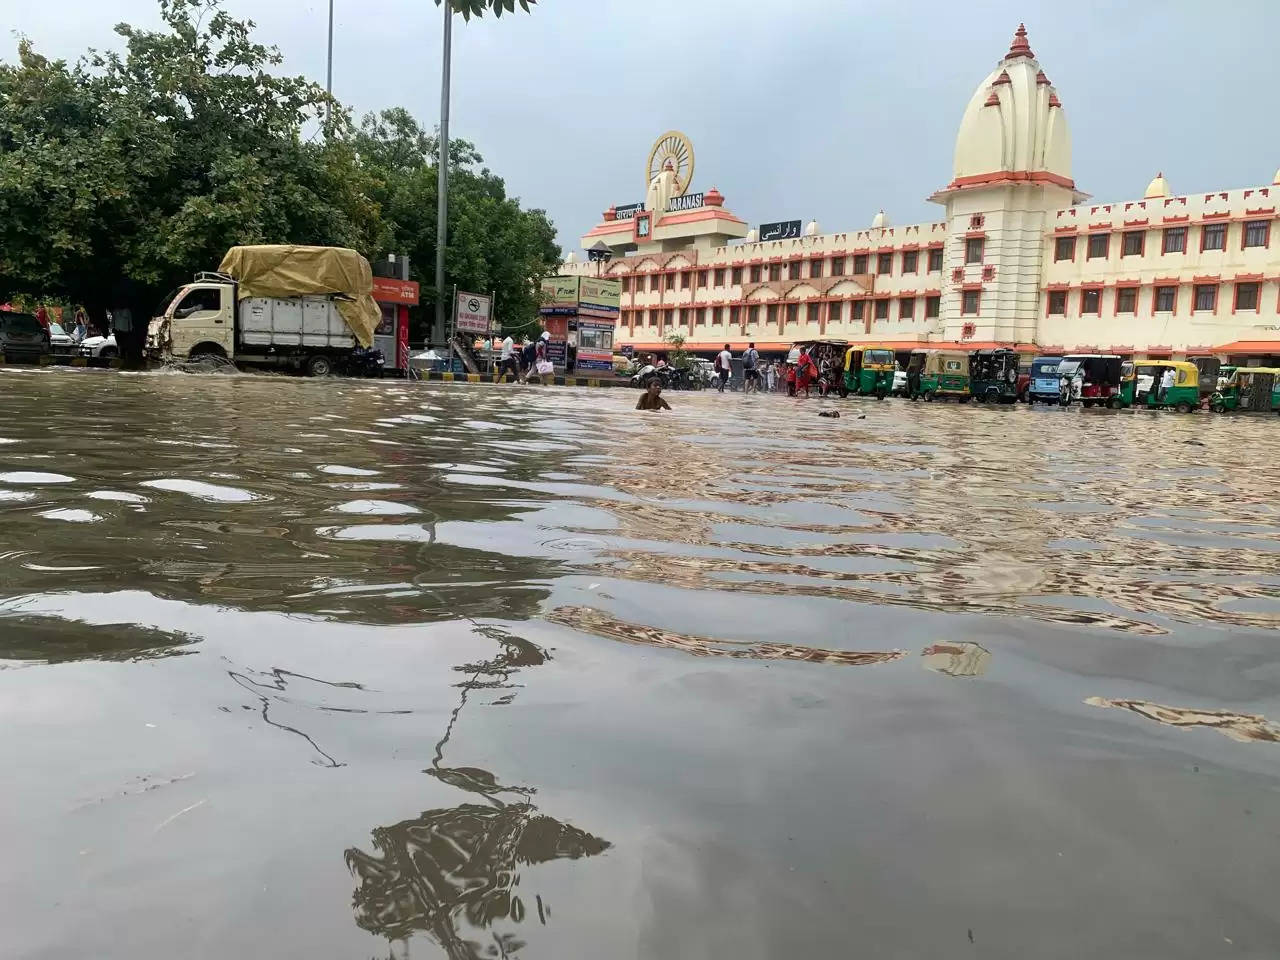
(674,146)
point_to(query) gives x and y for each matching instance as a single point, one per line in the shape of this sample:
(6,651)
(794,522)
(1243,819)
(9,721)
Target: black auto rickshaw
(993,375)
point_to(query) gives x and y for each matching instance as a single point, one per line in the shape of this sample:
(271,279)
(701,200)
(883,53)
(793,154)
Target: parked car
(899,381)
(103,348)
(61,343)
(22,337)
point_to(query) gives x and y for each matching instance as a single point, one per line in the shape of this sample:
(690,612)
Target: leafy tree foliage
(123,174)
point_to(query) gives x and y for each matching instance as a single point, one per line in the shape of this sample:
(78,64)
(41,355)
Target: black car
(22,337)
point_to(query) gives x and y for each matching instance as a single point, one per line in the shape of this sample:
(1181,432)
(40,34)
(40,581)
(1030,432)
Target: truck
(296,308)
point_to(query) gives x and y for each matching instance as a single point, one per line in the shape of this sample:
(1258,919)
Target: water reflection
(455,873)
(1242,727)
(956,659)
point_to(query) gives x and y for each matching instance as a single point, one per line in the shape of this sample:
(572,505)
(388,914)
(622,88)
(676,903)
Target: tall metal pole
(328,84)
(442,189)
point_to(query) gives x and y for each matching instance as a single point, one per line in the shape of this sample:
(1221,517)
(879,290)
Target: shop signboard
(559,295)
(472,314)
(599,297)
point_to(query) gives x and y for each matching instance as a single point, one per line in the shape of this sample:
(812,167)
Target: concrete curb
(431,375)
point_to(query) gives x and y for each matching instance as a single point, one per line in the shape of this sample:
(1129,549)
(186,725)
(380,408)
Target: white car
(61,343)
(103,348)
(899,381)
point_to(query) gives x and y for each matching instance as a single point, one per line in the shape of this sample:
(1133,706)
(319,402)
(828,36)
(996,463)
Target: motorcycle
(361,362)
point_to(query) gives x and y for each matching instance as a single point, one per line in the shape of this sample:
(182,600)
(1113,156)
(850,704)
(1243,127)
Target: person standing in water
(651,399)
(724,364)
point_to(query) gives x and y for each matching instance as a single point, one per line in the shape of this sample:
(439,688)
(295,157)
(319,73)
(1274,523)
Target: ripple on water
(211,492)
(71,515)
(27,476)
(385,508)
(398,532)
(341,471)
(117,496)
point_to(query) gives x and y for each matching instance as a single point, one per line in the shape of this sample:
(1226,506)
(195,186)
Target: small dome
(1276,181)
(879,221)
(1157,188)
(713,198)
(572,257)
(752,236)
(812,229)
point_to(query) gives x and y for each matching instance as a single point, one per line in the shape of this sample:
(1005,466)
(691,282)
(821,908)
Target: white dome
(1157,188)
(1014,123)
(752,236)
(812,229)
(879,221)
(572,257)
(1276,181)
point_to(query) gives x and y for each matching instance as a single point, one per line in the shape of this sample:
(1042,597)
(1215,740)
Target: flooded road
(345,669)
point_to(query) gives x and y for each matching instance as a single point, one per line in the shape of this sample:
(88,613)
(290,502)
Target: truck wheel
(318,366)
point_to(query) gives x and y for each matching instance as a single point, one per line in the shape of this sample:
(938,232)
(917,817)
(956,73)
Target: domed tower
(1012,171)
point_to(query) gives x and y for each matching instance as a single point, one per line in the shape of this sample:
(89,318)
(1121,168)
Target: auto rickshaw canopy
(1185,374)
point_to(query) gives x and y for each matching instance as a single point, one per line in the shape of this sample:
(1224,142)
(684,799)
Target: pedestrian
(724,364)
(1166,383)
(770,376)
(750,369)
(81,330)
(805,371)
(651,399)
(791,379)
(507,359)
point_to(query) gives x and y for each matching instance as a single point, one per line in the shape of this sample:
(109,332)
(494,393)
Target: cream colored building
(1020,257)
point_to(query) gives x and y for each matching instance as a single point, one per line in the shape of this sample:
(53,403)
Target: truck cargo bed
(297,322)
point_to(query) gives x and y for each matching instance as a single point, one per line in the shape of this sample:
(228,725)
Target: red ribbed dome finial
(1019,47)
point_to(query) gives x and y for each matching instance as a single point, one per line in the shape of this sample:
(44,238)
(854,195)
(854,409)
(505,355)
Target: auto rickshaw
(1045,386)
(868,371)
(945,375)
(1255,389)
(1140,385)
(1209,369)
(993,375)
(1090,378)
(827,356)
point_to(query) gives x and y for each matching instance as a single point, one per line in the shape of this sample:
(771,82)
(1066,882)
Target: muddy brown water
(346,669)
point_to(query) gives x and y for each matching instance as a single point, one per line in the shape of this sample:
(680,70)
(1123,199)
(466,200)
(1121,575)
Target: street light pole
(442,189)
(328,84)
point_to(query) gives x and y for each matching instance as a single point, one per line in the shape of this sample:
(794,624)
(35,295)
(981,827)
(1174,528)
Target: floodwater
(350,669)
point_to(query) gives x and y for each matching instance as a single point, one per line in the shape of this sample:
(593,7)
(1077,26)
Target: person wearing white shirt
(1166,382)
(507,360)
(724,364)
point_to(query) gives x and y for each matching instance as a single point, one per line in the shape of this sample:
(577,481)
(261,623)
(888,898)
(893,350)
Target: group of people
(528,360)
(806,373)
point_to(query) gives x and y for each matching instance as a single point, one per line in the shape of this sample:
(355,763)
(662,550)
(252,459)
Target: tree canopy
(145,165)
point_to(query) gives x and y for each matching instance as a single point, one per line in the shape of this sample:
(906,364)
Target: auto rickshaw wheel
(1218,407)
(928,398)
(1114,403)
(1183,407)
(964,399)
(844,391)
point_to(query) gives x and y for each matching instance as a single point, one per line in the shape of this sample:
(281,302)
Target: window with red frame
(793,270)
(1064,248)
(775,271)
(906,308)
(1166,299)
(813,312)
(1175,240)
(858,310)
(837,266)
(1099,245)
(970,301)
(833,312)
(935,261)
(1213,236)
(1257,233)
(884,264)
(1091,301)
(1247,296)
(932,307)
(1206,296)
(882,309)
(973,249)
(1127,300)
(910,261)
(1057,303)
(1133,243)
(735,277)
(859,263)
(815,268)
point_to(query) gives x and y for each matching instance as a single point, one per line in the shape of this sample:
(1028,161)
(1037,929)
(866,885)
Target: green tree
(477,8)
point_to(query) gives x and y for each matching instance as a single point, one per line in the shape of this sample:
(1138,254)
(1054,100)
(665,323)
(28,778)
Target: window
(976,221)
(837,266)
(1175,240)
(653,281)
(671,281)
(753,314)
(833,312)
(1064,248)
(858,310)
(1166,299)
(772,313)
(793,270)
(775,271)
(1206,296)
(682,316)
(686,279)
(1213,236)
(884,264)
(700,317)
(1247,296)
(666,317)
(717,316)
(718,277)
(1099,243)
(1057,303)
(199,300)
(910,261)
(793,313)
(736,276)
(1257,233)
(652,317)
(906,308)
(1127,300)
(1134,241)
(935,261)
(882,309)
(702,278)
(1091,301)
(814,311)
(626,284)
(755,273)
(932,306)
(815,268)
(859,263)
(969,302)
(973,249)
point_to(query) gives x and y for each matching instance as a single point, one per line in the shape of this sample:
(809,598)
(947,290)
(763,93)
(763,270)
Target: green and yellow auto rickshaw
(1157,384)
(945,375)
(868,371)
(1254,389)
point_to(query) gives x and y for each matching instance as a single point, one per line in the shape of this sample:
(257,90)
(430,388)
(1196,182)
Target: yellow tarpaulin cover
(292,271)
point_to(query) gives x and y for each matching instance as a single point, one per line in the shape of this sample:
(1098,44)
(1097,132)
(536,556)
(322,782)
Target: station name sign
(690,201)
(782,230)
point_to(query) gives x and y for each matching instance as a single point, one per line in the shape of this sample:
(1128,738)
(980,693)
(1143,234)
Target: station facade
(1021,257)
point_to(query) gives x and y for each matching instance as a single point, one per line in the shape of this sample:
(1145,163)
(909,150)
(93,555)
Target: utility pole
(328,84)
(442,208)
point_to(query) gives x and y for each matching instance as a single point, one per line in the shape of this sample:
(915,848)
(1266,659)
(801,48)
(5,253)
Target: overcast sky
(809,108)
